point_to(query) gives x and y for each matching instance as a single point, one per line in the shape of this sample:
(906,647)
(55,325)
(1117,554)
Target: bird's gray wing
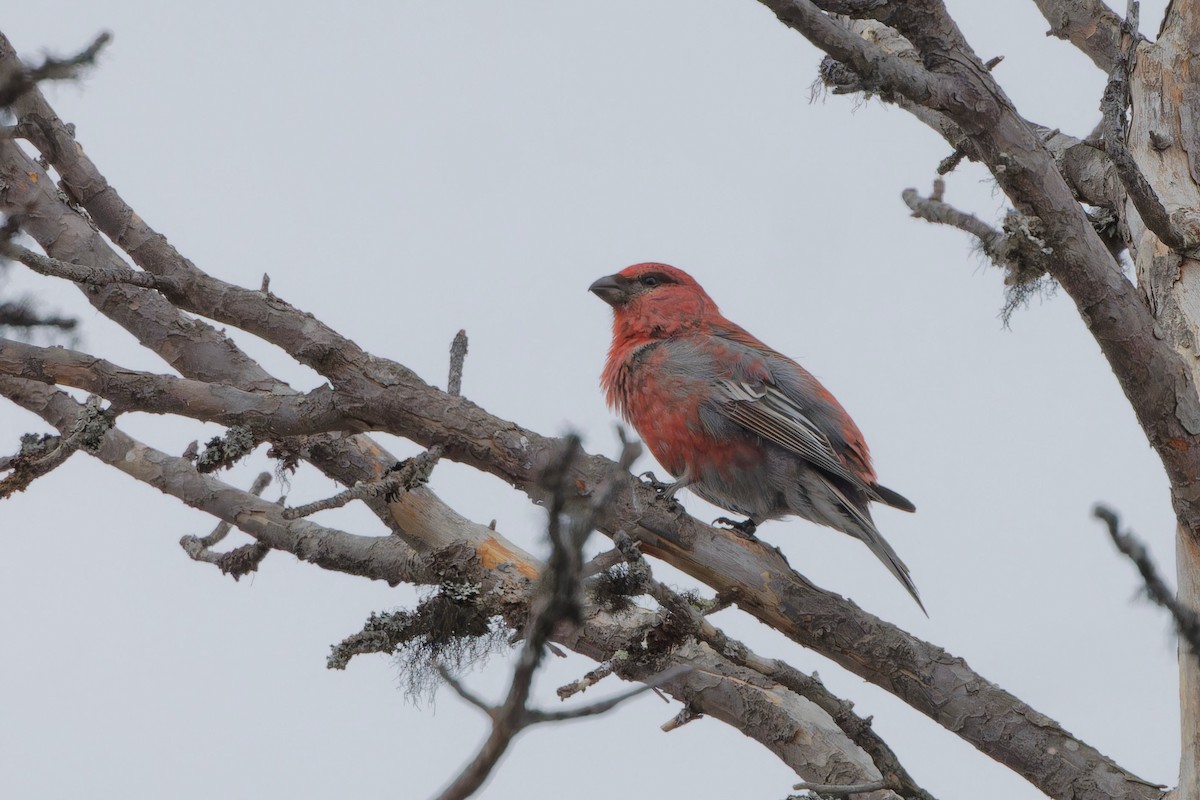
(774,416)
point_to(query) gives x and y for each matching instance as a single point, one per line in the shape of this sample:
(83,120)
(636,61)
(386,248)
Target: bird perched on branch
(739,424)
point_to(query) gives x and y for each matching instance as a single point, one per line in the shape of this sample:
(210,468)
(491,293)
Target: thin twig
(601,706)
(465,693)
(21,81)
(409,474)
(1187,621)
(951,162)
(933,209)
(239,561)
(601,562)
(587,681)
(54,268)
(555,602)
(999,247)
(21,315)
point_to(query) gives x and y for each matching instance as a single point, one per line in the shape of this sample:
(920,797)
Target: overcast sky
(406,169)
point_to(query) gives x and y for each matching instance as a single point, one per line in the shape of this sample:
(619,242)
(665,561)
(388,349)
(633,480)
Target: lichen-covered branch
(53,268)
(40,455)
(379,557)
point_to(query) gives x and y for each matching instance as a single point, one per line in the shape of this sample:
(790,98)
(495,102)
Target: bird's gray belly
(777,488)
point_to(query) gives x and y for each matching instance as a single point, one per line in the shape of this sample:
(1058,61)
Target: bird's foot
(745,528)
(665,491)
(650,478)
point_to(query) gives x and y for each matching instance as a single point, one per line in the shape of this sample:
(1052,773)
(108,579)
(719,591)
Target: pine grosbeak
(739,424)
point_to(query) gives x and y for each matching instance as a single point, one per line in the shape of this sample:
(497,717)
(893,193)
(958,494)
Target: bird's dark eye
(649,280)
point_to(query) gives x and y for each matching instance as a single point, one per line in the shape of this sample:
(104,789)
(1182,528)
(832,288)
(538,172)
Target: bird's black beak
(610,289)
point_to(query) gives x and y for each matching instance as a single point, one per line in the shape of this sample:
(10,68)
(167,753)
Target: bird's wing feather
(772,415)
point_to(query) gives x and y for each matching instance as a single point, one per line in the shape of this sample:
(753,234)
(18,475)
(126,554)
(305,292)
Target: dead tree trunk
(1163,127)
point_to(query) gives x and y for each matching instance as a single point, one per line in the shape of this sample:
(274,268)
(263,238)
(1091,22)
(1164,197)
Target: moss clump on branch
(454,627)
(222,452)
(614,588)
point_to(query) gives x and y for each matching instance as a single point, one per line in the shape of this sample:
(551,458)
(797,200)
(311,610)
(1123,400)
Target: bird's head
(655,300)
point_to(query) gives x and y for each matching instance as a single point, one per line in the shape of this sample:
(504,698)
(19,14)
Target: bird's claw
(652,479)
(664,491)
(745,528)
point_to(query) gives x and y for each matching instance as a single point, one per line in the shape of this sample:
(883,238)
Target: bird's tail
(893,498)
(866,531)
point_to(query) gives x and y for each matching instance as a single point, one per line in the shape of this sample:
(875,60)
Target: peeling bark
(1164,137)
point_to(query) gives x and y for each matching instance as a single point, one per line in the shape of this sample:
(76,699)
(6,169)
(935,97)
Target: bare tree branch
(857,729)
(1187,621)
(886,73)
(1090,25)
(52,267)
(407,475)
(133,390)
(1085,168)
(933,209)
(200,352)
(382,558)
(239,561)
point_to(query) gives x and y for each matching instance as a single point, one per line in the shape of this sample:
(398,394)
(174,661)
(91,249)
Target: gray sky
(406,169)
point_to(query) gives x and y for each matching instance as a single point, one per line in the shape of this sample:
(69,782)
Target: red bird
(739,424)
